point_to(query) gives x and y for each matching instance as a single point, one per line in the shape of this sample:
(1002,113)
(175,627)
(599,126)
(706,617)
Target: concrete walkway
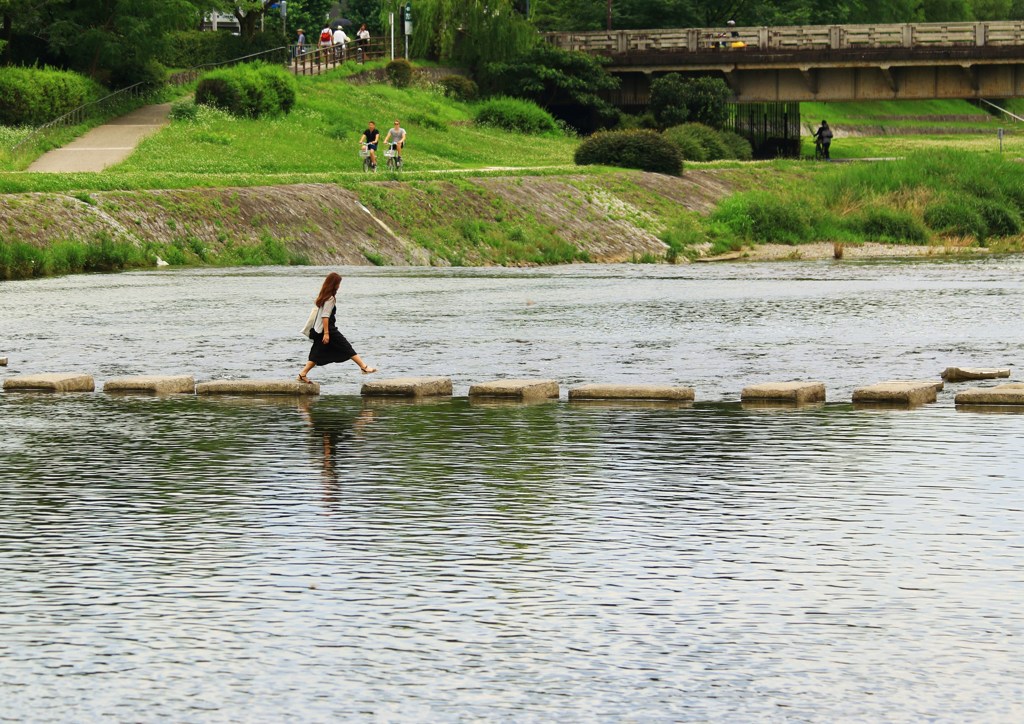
(104,145)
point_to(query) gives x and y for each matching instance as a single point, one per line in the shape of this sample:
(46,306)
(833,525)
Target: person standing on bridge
(329,345)
(823,137)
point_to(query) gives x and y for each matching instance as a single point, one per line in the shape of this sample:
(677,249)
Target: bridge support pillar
(890,78)
(810,76)
(971,71)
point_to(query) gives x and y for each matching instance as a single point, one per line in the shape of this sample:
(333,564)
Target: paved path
(104,145)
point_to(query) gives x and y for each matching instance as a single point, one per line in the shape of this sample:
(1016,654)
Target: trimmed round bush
(706,137)
(956,216)
(880,223)
(739,147)
(689,146)
(248,91)
(184,111)
(645,150)
(515,114)
(399,73)
(459,87)
(33,96)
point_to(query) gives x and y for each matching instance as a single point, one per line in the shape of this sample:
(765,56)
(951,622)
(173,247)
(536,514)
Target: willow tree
(469,32)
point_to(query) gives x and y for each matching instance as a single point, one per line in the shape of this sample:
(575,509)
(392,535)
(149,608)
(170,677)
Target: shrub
(33,96)
(399,73)
(668,100)
(706,137)
(459,87)
(184,111)
(880,223)
(706,100)
(739,147)
(761,217)
(151,74)
(248,91)
(689,147)
(189,48)
(1000,218)
(646,150)
(955,216)
(514,114)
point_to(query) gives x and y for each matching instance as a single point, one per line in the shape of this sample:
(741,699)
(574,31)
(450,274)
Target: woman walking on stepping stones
(329,345)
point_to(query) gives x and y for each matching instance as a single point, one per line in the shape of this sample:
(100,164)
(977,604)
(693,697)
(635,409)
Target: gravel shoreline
(827,250)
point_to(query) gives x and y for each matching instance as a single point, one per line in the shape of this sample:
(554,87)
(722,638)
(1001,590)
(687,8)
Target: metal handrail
(314,59)
(1014,116)
(79,114)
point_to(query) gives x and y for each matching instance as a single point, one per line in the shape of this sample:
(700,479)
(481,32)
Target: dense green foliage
(399,72)
(33,96)
(553,78)
(190,48)
(675,100)
(470,33)
(515,114)
(248,91)
(645,150)
(459,87)
(695,138)
(20,260)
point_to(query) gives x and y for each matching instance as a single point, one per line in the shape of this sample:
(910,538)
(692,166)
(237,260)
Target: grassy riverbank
(289,190)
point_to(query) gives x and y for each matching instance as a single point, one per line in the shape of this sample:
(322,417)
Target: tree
(706,100)
(668,100)
(470,32)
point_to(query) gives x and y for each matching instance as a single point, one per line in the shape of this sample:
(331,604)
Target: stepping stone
(667,393)
(409,387)
(57,382)
(3,361)
(152,383)
(522,390)
(896,393)
(257,387)
(960,374)
(799,393)
(938,384)
(1010,394)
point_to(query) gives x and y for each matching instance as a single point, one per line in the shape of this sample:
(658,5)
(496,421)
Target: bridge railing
(805,37)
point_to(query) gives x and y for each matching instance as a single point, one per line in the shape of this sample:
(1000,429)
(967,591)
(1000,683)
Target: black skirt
(337,350)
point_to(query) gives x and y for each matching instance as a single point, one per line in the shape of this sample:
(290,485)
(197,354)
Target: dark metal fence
(773,129)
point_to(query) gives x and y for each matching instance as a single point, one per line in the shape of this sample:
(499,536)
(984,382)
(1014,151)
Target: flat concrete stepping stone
(3,361)
(516,389)
(896,393)
(257,387)
(157,385)
(938,384)
(409,387)
(667,393)
(960,374)
(54,382)
(1010,394)
(799,393)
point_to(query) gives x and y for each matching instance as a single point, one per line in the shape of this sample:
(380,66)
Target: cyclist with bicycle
(396,137)
(369,139)
(823,139)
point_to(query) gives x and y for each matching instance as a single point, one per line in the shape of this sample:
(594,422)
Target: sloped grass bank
(929,198)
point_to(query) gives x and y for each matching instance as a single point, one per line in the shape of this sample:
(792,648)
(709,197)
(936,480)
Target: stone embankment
(888,394)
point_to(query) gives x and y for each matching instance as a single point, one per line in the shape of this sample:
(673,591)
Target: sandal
(303,378)
(368,370)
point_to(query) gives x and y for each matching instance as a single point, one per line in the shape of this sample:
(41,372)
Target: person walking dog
(329,345)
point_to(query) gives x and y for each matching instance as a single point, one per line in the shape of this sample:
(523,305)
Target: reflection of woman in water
(334,430)
(329,345)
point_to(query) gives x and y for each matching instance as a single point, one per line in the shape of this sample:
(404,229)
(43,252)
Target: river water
(267,560)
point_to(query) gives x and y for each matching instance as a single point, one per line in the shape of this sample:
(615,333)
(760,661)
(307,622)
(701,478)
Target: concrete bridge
(819,62)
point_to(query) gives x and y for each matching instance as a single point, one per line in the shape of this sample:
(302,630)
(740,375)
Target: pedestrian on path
(300,44)
(340,41)
(329,345)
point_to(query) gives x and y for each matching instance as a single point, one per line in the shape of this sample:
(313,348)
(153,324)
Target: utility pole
(609,15)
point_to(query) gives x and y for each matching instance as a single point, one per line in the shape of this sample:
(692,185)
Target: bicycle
(394,160)
(819,150)
(364,153)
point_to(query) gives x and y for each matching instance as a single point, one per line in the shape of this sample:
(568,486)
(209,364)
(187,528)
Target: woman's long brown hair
(329,289)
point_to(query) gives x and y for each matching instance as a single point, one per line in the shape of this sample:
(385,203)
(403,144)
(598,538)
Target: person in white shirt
(340,41)
(363,39)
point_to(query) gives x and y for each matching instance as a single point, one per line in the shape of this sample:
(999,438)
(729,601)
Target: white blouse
(325,311)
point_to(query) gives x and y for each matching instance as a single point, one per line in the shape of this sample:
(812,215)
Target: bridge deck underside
(850,84)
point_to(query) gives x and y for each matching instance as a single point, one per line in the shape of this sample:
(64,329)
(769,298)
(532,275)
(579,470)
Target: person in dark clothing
(823,138)
(369,139)
(329,345)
